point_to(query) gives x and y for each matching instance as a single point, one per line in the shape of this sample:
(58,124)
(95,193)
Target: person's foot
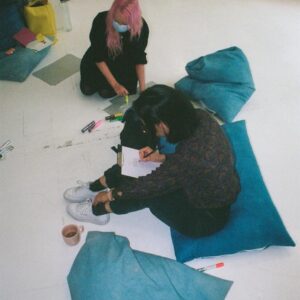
(83,212)
(79,193)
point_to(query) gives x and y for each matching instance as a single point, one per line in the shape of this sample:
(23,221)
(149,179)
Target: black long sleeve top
(133,50)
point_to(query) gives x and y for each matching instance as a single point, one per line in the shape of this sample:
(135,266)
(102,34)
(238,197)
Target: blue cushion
(11,21)
(107,268)
(220,81)
(18,66)
(254,223)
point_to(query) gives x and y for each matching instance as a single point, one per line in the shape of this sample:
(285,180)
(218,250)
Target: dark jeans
(172,209)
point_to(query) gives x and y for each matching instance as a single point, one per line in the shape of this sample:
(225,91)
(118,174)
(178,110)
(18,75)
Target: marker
(112,117)
(148,154)
(117,119)
(97,124)
(114,149)
(84,129)
(126,99)
(215,266)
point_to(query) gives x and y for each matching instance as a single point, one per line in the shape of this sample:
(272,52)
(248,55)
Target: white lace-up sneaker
(79,193)
(83,212)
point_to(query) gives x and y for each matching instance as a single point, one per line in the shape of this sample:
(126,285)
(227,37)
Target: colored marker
(112,117)
(84,129)
(117,119)
(126,99)
(148,154)
(97,124)
(215,266)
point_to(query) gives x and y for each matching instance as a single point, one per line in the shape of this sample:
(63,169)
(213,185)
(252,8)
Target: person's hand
(102,197)
(148,154)
(120,90)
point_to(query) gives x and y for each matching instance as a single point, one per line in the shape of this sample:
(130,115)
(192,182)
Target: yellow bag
(40,19)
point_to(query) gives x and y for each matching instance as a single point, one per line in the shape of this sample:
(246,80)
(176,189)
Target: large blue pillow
(107,268)
(220,81)
(18,66)
(254,223)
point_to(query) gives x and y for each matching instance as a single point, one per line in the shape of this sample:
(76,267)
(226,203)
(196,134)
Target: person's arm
(140,72)
(140,55)
(165,179)
(118,88)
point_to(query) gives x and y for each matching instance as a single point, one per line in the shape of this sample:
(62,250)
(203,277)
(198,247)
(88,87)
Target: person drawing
(116,58)
(193,188)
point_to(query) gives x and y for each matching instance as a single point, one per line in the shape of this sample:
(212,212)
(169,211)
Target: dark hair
(161,103)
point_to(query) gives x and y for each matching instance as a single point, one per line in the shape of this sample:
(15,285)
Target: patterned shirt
(202,167)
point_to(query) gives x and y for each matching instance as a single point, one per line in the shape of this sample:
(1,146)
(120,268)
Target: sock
(96,186)
(99,209)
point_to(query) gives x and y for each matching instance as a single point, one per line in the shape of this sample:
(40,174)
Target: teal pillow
(221,82)
(18,66)
(254,223)
(107,268)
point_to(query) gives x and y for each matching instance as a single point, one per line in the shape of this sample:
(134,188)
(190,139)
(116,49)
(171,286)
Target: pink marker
(215,266)
(97,124)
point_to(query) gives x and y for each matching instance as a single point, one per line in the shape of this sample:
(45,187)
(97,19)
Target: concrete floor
(41,120)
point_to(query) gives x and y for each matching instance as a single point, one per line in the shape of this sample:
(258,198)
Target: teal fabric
(166,147)
(254,223)
(107,268)
(11,21)
(17,67)
(221,82)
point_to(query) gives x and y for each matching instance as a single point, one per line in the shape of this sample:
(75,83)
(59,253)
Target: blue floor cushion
(254,223)
(107,268)
(18,66)
(221,82)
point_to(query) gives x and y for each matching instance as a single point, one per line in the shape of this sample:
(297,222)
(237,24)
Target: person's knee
(86,90)
(106,93)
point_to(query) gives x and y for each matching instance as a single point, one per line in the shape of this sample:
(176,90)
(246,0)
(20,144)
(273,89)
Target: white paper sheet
(132,166)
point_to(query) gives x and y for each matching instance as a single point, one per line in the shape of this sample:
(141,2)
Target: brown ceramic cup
(71,234)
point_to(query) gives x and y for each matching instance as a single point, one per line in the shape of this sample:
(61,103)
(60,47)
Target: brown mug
(71,234)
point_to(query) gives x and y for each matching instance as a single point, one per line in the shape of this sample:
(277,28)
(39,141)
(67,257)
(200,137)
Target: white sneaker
(83,212)
(79,193)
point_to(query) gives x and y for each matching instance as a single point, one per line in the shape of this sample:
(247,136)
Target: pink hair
(131,11)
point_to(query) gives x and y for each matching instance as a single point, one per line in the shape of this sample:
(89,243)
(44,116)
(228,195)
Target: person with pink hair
(115,61)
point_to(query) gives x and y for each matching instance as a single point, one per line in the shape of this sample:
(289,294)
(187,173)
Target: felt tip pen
(91,127)
(117,119)
(97,124)
(84,129)
(148,154)
(126,99)
(114,116)
(215,266)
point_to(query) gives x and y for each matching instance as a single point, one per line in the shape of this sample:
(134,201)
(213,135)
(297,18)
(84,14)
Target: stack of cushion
(222,83)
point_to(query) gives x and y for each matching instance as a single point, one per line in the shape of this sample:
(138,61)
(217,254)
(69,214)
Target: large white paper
(133,167)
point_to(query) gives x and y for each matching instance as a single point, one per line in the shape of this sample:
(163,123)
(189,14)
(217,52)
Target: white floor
(42,120)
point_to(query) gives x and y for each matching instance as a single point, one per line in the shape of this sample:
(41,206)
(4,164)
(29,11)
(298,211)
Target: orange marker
(215,266)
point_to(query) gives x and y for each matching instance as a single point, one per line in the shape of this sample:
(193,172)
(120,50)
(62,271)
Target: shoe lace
(81,184)
(85,207)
